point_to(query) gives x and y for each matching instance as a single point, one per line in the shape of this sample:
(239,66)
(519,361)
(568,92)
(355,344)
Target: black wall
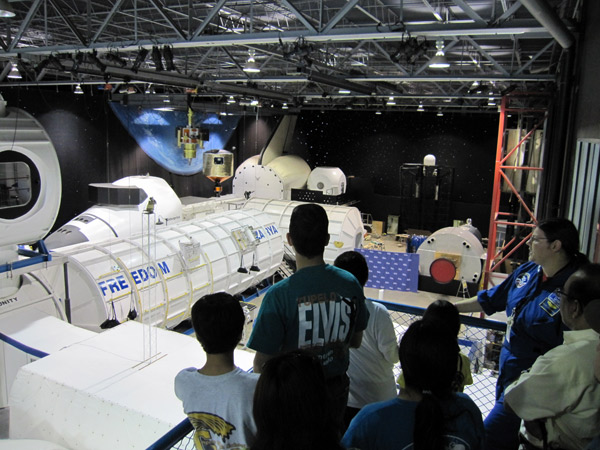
(93,146)
(373,148)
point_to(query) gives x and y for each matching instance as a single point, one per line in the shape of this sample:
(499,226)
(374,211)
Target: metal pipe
(548,18)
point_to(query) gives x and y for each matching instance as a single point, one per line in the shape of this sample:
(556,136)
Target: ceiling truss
(307,50)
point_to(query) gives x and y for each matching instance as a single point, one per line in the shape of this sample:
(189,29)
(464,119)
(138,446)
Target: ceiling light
(439,61)
(420,108)
(344,91)
(78,89)
(440,113)
(378,112)
(251,66)
(231,100)
(254,102)
(6,10)
(149,89)
(390,102)
(14,73)
(284,106)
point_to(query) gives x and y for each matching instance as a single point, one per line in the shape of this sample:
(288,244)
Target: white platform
(100,394)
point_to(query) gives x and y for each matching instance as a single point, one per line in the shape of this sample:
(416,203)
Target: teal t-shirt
(316,309)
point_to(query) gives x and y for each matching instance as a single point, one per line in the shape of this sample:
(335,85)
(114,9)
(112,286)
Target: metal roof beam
(509,12)
(25,24)
(470,12)
(209,17)
(116,7)
(299,15)
(337,35)
(536,56)
(340,15)
(68,22)
(161,9)
(486,55)
(387,55)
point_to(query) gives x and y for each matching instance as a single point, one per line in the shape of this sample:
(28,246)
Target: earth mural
(155,132)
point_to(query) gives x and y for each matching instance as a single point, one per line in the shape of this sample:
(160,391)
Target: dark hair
(585,284)
(309,229)
(429,358)
(563,230)
(355,263)
(292,406)
(218,321)
(446,313)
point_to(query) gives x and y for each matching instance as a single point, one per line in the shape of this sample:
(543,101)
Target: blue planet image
(156,133)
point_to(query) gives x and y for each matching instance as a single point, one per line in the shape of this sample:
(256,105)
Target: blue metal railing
(481,336)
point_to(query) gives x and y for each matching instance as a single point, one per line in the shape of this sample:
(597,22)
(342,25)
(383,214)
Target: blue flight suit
(534,326)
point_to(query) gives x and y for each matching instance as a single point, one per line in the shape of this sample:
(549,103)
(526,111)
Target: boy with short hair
(218,397)
(320,308)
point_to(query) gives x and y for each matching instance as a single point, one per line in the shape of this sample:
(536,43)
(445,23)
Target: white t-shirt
(219,407)
(371,369)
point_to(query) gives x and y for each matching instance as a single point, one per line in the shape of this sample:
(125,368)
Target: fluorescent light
(14,73)
(344,91)
(251,66)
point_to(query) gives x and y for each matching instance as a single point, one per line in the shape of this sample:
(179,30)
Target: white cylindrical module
(452,253)
(160,274)
(329,180)
(345,223)
(30,187)
(275,180)
(293,171)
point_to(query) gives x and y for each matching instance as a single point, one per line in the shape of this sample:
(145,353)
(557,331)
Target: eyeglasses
(561,293)
(537,239)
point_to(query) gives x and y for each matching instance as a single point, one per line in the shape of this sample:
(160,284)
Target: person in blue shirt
(529,296)
(427,414)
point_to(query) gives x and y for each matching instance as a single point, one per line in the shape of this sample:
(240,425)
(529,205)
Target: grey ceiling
(306,50)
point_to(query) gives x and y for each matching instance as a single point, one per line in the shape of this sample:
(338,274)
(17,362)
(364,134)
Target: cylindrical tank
(217,165)
(329,180)
(160,274)
(345,223)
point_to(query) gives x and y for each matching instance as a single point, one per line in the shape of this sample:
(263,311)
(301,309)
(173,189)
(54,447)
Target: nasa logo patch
(522,280)
(551,304)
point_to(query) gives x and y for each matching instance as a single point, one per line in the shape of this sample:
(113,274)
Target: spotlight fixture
(157,59)
(390,102)
(168,56)
(78,89)
(6,10)
(251,66)
(420,108)
(93,58)
(439,61)
(139,59)
(115,58)
(231,100)
(284,106)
